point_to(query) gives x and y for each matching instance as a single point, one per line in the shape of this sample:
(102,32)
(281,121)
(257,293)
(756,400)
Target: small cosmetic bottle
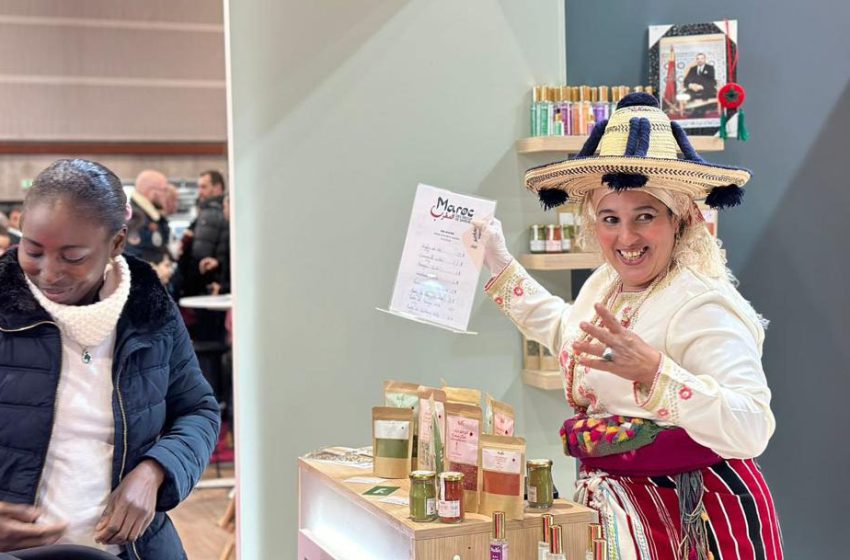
(557,123)
(547,112)
(566,110)
(594,532)
(556,545)
(601,109)
(543,546)
(600,549)
(499,542)
(536,99)
(575,111)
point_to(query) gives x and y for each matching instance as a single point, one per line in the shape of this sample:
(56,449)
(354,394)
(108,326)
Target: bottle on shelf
(499,542)
(543,547)
(594,533)
(536,102)
(600,549)
(556,544)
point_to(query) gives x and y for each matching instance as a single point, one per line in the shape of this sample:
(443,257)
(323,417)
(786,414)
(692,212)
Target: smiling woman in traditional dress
(660,353)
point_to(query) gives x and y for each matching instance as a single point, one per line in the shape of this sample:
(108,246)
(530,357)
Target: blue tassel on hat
(637,145)
(725,197)
(550,198)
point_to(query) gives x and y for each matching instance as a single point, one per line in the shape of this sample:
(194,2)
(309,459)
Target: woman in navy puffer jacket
(106,421)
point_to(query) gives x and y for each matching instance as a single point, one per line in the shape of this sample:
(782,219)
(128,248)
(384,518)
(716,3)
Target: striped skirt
(641,521)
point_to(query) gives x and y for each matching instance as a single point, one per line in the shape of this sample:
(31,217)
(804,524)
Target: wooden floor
(197,520)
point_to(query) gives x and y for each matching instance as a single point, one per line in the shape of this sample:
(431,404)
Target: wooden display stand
(337,522)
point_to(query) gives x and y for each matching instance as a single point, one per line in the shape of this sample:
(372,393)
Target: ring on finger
(608,354)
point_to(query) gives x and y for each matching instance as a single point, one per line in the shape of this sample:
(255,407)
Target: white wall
(339,108)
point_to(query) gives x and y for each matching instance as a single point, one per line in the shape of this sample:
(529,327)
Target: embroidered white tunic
(711,382)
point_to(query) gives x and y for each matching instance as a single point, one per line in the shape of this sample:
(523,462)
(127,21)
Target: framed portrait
(688,64)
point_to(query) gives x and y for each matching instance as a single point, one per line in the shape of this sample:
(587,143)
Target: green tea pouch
(392,441)
(400,394)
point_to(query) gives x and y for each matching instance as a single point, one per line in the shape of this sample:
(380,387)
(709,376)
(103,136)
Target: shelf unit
(560,261)
(573,144)
(546,380)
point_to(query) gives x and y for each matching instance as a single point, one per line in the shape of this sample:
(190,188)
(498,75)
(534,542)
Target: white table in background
(216,303)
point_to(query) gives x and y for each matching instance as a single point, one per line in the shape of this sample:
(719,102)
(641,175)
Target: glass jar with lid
(540,486)
(450,497)
(423,496)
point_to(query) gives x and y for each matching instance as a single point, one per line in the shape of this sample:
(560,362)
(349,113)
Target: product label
(503,425)
(537,246)
(462,444)
(499,551)
(430,506)
(425,419)
(448,508)
(553,246)
(392,429)
(500,460)
(532,493)
(566,245)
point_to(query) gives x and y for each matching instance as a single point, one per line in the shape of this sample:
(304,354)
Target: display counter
(337,522)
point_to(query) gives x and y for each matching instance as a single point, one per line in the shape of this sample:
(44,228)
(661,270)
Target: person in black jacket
(700,81)
(206,257)
(113,420)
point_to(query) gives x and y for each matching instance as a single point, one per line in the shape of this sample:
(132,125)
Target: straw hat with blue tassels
(638,147)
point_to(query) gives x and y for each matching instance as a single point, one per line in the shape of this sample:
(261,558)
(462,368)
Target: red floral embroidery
(499,300)
(518,291)
(663,413)
(564,359)
(685,393)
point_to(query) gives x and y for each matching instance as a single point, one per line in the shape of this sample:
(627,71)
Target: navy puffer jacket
(163,407)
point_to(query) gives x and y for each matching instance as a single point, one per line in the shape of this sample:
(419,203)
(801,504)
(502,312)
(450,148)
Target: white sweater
(711,382)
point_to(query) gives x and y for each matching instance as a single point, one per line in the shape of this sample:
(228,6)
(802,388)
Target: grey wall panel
(192,11)
(102,51)
(81,112)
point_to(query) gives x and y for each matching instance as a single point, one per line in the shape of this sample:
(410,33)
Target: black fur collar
(148,305)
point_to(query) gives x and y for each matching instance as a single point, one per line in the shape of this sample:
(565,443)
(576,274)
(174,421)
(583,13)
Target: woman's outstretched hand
(496,255)
(630,357)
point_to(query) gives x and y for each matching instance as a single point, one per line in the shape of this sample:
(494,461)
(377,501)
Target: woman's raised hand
(496,255)
(619,350)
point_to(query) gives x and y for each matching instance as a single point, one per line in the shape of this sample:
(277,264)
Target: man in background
(15,217)
(148,231)
(207,251)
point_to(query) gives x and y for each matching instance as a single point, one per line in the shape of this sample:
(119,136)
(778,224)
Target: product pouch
(501,478)
(461,395)
(426,452)
(463,432)
(499,417)
(392,441)
(400,394)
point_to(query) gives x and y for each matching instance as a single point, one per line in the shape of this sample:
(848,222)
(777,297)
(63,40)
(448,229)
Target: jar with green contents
(540,485)
(423,496)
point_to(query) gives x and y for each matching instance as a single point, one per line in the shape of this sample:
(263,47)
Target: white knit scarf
(89,325)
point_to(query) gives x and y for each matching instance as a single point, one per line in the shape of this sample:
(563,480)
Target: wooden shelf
(546,380)
(560,261)
(573,144)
